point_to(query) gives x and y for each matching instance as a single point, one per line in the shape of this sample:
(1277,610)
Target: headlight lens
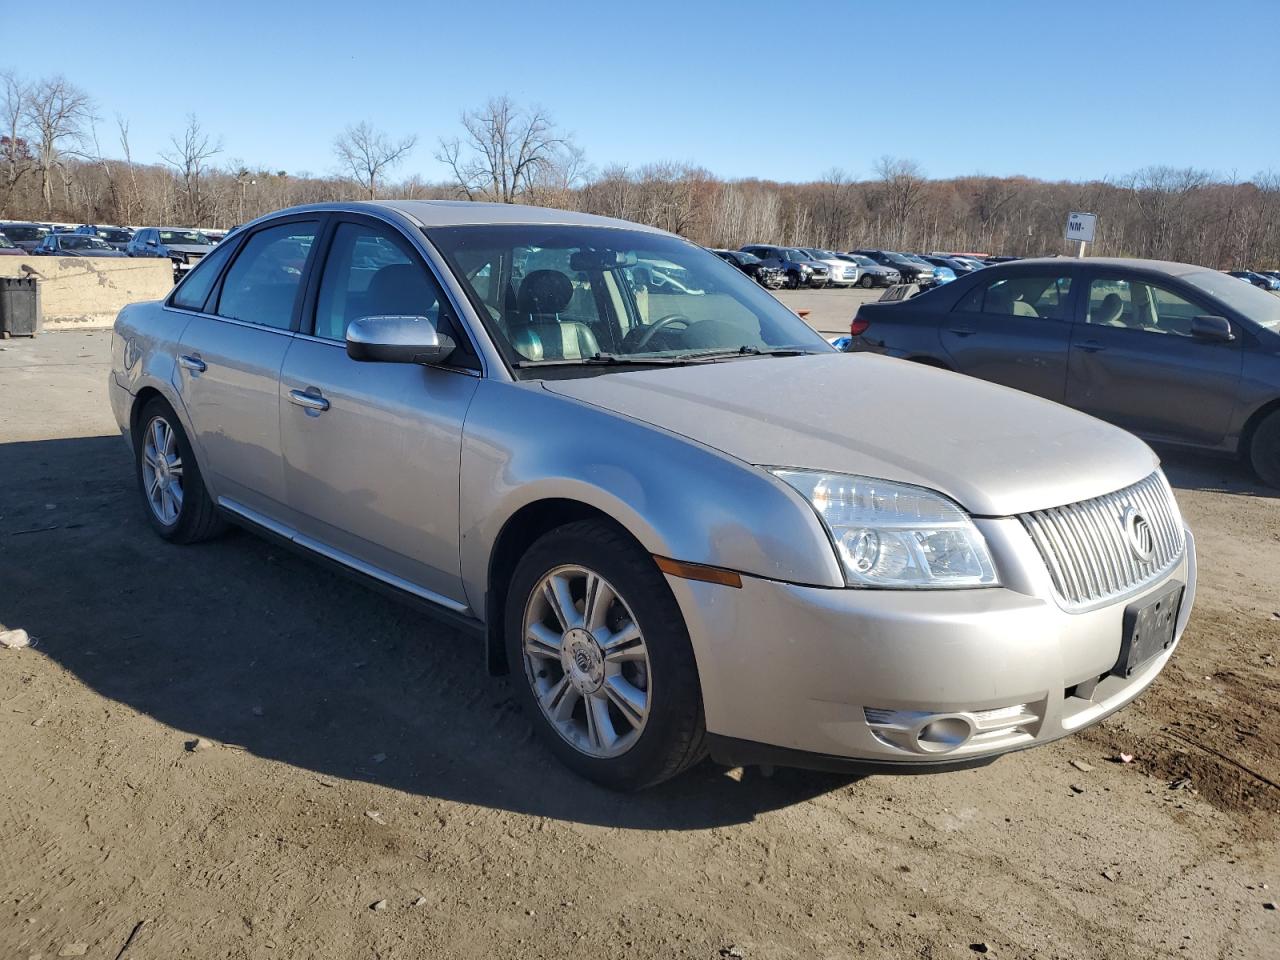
(896,535)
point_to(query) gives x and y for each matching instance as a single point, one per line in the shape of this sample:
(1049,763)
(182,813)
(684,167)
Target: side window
(1138,305)
(1042,296)
(194,289)
(370,273)
(263,282)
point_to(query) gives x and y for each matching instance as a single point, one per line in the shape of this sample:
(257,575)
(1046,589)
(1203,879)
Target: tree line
(56,163)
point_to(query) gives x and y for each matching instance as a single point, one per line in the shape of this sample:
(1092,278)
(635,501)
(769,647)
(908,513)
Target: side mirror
(398,340)
(1212,328)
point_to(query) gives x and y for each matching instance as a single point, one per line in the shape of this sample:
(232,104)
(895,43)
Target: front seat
(400,290)
(1109,311)
(538,332)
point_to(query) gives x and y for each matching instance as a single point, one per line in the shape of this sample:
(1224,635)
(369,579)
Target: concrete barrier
(85,292)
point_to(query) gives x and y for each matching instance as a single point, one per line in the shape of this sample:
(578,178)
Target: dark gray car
(798,267)
(1173,352)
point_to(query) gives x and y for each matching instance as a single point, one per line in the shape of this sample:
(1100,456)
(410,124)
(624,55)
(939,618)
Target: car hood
(995,451)
(188,247)
(90,253)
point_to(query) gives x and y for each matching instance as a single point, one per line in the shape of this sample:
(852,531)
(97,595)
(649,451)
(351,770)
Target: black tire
(673,737)
(198,518)
(867,281)
(1264,449)
(793,281)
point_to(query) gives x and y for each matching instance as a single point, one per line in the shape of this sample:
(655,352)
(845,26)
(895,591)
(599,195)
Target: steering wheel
(661,324)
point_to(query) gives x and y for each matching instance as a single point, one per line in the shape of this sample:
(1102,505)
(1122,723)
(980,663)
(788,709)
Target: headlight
(896,535)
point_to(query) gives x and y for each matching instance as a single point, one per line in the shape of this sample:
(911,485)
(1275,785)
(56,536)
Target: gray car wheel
(867,281)
(598,650)
(178,505)
(1264,450)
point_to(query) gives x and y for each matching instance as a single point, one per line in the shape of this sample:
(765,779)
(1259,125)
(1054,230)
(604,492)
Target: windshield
(568,294)
(79,242)
(795,253)
(1253,302)
(898,258)
(746,258)
(185,236)
(861,260)
(116,236)
(14,232)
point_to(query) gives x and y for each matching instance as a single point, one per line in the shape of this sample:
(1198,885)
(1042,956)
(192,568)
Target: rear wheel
(173,492)
(1264,450)
(602,659)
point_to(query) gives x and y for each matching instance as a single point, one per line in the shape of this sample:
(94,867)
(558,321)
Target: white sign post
(1080,227)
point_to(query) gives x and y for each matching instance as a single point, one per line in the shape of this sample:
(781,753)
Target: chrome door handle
(311,401)
(1091,346)
(194,364)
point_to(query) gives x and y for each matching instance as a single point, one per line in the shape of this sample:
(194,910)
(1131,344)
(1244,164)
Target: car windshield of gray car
(184,236)
(599,297)
(1258,305)
(83,243)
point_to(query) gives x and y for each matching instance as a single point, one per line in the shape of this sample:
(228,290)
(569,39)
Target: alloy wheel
(587,661)
(162,471)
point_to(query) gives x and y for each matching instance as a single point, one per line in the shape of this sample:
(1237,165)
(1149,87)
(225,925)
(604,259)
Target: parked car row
(817,267)
(182,246)
(1265,279)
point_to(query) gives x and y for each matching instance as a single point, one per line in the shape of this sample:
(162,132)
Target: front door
(229,367)
(372,450)
(1015,331)
(1135,363)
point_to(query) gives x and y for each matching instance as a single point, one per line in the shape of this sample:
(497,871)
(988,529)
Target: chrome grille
(1087,548)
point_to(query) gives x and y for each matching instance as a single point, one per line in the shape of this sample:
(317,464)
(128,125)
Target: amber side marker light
(699,571)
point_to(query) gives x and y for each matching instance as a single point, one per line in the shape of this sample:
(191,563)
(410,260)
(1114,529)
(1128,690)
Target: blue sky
(781,90)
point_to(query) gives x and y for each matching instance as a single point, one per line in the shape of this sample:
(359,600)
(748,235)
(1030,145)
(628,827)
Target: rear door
(372,450)
(229,365)
(1014,329)
(1135,363)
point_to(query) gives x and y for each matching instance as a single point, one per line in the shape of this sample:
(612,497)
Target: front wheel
(1264,450)
(867,281)
(601,657)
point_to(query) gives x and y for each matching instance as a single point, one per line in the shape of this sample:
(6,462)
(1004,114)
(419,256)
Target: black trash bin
(19,307)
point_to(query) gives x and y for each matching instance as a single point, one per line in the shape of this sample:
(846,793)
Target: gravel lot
(353,752)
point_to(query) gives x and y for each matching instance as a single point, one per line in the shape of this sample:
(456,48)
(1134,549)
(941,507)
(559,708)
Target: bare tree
(366,154)
(505,151)
(56,114)
(14,149)
(902,184)
(123,126)
(189,157)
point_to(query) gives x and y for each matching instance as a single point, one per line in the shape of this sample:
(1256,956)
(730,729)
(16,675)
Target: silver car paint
(376,475)
(995,451)
(790,659)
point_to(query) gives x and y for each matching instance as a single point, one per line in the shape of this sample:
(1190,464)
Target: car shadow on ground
(245,643)
(1188,470)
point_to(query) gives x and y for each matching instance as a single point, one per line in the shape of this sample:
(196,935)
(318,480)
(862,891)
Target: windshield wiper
(605,360)
(749,351)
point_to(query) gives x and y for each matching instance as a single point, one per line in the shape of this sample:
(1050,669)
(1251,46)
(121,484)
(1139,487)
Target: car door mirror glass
(1211,328)
(398,340)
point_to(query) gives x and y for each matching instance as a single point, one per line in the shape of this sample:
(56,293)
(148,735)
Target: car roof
(1124,263)
(454,213)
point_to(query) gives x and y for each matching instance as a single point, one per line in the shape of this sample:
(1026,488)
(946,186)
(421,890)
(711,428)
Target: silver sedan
(667,507)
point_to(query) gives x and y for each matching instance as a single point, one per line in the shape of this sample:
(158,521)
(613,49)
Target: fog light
(944,734)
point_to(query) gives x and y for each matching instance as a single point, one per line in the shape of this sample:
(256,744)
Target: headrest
(543,292)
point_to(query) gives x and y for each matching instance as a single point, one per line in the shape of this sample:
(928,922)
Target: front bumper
(789,672)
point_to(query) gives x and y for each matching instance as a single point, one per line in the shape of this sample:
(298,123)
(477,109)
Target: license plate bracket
(1149,626)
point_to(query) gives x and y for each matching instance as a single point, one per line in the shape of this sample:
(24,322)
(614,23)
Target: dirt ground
(357,754)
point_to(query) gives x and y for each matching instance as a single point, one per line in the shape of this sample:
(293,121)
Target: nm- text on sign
(1080,226)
